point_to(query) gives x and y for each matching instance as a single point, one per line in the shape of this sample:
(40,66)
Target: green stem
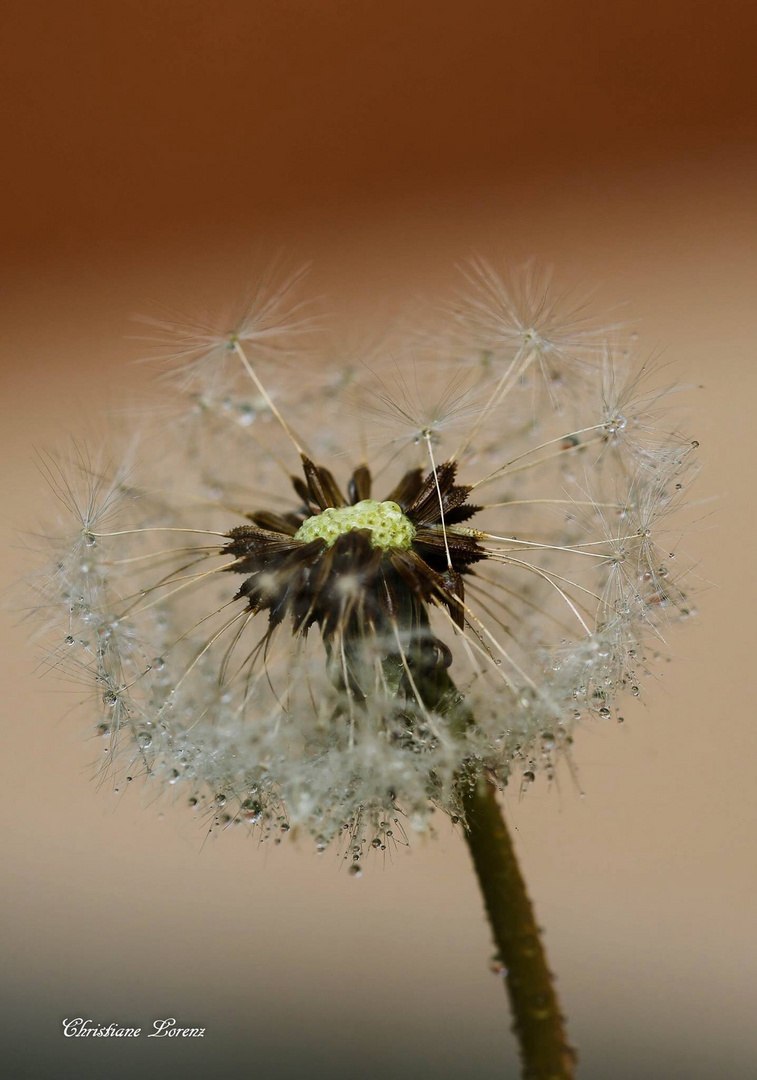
(537,1021)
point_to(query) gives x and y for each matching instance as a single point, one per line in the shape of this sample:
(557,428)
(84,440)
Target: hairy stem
(537,1021)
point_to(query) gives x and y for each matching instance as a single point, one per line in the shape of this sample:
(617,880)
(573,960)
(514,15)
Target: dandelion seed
(519,321)
(196,351)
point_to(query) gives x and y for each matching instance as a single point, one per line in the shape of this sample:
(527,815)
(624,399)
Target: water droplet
(355,870)
(175,774)
(220,800)
(110,698)
(497,967)
(605,713)
(144,740)
(68,640)
(528,777)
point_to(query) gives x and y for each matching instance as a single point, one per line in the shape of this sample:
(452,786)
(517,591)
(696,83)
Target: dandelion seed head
(298,615)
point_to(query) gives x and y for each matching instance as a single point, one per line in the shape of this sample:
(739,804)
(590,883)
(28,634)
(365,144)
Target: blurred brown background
(162,152)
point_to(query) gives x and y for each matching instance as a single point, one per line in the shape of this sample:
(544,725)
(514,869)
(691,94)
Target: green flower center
(388,526)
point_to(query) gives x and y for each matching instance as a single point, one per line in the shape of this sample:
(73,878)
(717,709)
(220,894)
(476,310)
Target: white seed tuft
(546,578)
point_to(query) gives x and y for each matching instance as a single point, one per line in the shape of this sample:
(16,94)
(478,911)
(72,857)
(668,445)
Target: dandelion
(348,621)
